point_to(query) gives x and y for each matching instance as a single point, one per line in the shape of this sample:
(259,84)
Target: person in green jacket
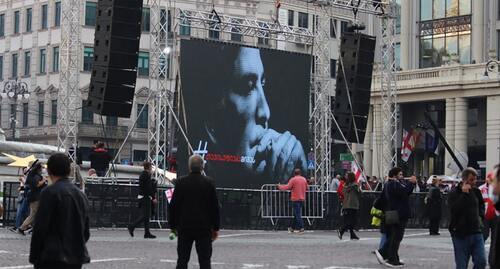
(350,207)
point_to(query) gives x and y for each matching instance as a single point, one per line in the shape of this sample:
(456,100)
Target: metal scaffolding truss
(244,26)
(321,117)
(69,94)
(158,83)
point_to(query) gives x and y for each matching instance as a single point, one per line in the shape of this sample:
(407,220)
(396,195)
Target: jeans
(465,247)
(395,233)
(383,239)
(297,224)
(203,244)
(22,212)
(145,204)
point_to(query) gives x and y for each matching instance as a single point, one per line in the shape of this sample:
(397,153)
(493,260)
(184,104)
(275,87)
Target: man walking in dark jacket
(396,192)
(466,221)
(62,222)
(146,197)
(194,215)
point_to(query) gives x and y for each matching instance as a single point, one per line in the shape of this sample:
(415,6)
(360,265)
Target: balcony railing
(94,130)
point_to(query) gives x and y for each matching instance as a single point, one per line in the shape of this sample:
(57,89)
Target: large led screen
(245,110)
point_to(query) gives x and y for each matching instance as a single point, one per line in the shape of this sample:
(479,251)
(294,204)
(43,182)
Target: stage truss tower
(158,83)
(69,94)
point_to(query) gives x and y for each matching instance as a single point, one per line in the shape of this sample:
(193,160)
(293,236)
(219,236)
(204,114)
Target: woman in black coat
(433,201)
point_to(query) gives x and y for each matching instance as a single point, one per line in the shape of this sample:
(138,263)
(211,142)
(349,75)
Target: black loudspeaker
(354,77)
(116,50)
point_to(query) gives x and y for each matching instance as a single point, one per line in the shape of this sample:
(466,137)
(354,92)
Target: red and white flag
(358,173)
(410,140)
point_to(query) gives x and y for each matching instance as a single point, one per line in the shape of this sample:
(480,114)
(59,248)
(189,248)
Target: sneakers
(130,230)
(393,265)
(340,234)
(301,231)
(149,236)
(21,232)
(13,229)
(290,230)
(379,256)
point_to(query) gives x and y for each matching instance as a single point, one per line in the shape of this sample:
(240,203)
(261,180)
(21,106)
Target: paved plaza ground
(246,249)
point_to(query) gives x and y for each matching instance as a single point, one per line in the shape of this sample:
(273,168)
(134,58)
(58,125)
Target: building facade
(441,51)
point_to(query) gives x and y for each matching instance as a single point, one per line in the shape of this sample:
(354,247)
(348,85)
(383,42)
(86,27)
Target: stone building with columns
(441,52)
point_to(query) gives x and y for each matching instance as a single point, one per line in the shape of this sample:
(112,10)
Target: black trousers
(57,266)
(489,225)
(395,233)
(434,225)
(203,244)
(145,205)
(350,220)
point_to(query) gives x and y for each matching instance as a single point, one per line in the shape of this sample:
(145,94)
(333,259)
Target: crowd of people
(57,211)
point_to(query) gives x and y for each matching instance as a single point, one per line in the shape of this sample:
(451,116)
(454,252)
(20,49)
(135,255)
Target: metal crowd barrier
(276,204)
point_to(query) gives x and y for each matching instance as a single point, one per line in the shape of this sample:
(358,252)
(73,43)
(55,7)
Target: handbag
(390,216)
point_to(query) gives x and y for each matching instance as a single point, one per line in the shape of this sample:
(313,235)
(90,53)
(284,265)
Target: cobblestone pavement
(245,249)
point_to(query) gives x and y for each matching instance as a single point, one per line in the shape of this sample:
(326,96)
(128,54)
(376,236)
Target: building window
(263,38)
(143,65)
(14,65)
(140,155)
(1,67)
(88,58)
(397,55)
(438,9)
(236,34)
(498,45)
(90,13)
(164,66)
(45,15)
(41,114)
(185,26)
(472,117)
(29,19)
(16,22)
(55,59)
(142,118)
(43,60)
(498,10)
(146,18)
(343,27)
(2,25)
(53,112)
(303,20)
(111,121)
(13,116)
(27,63)
(291,17)
(87,115)
(214,28)
(333,68)
(25,114)
(398,17)
(57,15)
(438,40)
(333,28)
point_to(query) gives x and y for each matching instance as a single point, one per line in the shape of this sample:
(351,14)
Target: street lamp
(491,66)
(15,90)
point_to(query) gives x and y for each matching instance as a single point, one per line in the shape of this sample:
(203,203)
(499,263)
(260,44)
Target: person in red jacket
(491,214)
(298,187)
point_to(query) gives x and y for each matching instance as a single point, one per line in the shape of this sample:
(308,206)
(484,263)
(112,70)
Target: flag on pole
(431,142)
(410,140)
(358,173)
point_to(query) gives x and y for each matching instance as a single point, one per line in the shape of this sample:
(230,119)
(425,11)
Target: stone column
(461,138)
(368,146)
(478,29)
(406,35)
(449,131)
(492,131)
(377,140)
